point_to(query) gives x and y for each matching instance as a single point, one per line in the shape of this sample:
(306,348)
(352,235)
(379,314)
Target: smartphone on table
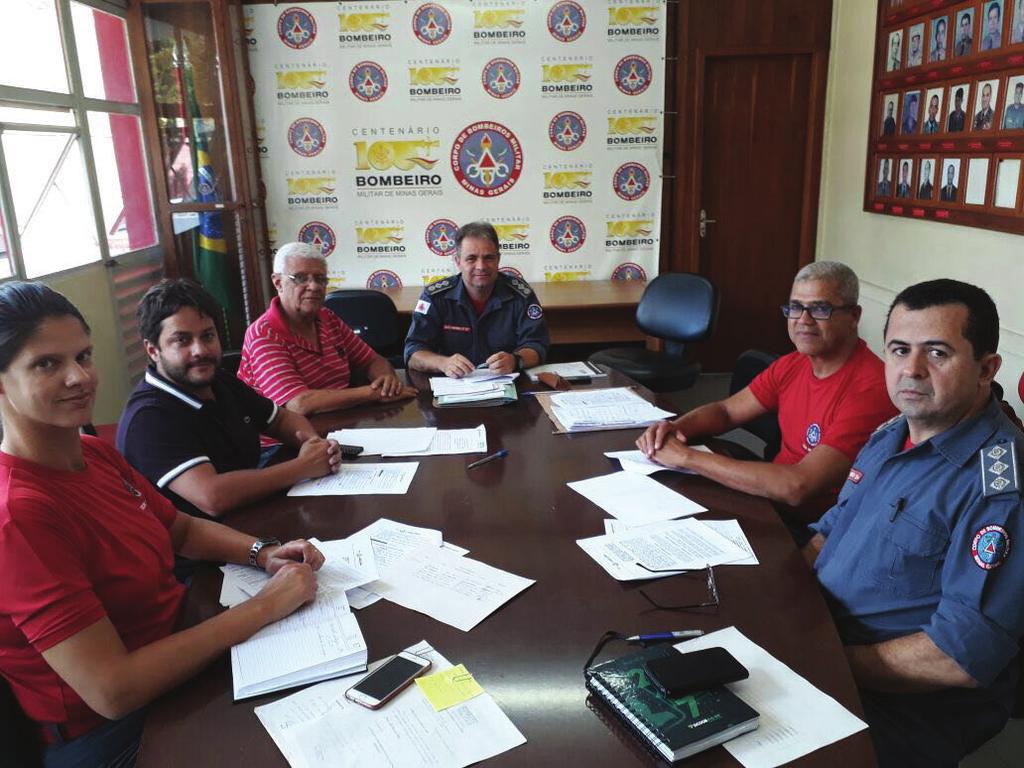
(384,683)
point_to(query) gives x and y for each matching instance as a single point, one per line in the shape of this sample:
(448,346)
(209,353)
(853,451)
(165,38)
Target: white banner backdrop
(382,126)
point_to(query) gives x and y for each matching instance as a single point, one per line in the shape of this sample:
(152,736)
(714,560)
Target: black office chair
(17,733)
(373,317)
(230,360)
(766,427)
(680,308)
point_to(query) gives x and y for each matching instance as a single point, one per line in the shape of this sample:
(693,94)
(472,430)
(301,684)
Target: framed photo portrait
(911,108)
(959,100)
(949,189)
(977,181)
(887,127)
(991,25)
(1013,112)
(985,105)
(1007,182)
(894,52)
(1017,23)
(926,179)
(883,183)
(932,119)
(915,45)
(938,50)
(963,32)
(905,178)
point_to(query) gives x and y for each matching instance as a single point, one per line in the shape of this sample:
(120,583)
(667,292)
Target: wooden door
(751,97)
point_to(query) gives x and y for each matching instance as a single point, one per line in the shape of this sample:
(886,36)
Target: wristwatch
(254,550)
(519,361)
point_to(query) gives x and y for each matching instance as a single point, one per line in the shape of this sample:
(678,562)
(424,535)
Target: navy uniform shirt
(164,431)
(927,539)
(445,321)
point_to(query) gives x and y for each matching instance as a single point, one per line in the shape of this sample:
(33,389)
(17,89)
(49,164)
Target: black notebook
(673,728)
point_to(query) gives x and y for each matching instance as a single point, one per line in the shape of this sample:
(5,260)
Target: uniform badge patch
(999,469)
(422,307)
(534,312)
(813,435)
(855,475)
(991,547)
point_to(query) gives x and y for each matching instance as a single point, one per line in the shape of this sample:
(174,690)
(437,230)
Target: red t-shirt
(841,410)
(75,547)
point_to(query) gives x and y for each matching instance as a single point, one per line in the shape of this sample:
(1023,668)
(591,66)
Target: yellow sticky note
(449,687)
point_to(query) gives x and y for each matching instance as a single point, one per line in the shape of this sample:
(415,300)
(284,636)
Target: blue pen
(661,636)
(499,455)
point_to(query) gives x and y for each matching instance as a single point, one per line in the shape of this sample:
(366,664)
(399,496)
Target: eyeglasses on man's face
(819,310)
(301,278)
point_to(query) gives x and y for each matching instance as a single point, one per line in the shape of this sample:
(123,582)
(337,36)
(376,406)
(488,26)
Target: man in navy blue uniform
(917,558)
(479,316)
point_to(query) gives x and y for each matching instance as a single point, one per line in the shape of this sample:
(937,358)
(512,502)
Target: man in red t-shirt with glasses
(829,396)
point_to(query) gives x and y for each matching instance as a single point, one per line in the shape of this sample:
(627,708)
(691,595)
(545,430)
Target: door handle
(704,221)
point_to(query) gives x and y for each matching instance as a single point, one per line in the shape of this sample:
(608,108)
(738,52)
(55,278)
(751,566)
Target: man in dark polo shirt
(193,429)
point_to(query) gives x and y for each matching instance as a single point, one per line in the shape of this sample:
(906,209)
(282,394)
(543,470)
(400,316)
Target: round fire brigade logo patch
(320,236)
(431,24)
(383,278)
(534,312)
(297,28)
(566,21)
(440,237)
(368,81)
(501,78)
(633,75)
(991,547)
(631,181)
(567,131)
(307,137)
(629,271)
(487,159)
(567,234)
(813,435)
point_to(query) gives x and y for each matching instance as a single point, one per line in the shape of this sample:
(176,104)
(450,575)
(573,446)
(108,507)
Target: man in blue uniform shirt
(479,316)
(917,558)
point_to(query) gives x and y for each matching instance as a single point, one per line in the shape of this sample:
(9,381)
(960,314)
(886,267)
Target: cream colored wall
(890,253)
(89,290)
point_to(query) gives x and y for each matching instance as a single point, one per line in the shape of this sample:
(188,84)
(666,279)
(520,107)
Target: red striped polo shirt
(281,365)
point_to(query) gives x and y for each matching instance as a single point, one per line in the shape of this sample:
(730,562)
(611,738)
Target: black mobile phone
(350,451)
(677,674)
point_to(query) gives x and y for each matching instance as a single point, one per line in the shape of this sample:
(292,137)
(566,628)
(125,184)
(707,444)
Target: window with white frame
(74,186)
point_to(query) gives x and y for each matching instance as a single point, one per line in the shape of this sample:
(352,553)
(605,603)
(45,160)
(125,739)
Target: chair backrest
(230,360)
(17,733)
(678,306)
(370,314)
(766,426)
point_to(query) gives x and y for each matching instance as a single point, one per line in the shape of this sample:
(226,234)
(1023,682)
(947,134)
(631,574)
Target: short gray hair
(299,251)
(841,276)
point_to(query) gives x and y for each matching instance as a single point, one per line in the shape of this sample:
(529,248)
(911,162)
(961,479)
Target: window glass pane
(31,53)
(51,201)
(61,117)
(182,53)
(103,57)
(123,182)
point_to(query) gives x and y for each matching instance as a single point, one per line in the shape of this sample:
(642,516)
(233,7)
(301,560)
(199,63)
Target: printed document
(385,442)
(635,461)
(636,499)
(587,409)
(729,528)
(448,587)
(447,442)
(574,370)
(662,549)
(360,479)
(796,717)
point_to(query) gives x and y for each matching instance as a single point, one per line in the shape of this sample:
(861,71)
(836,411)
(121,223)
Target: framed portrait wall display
(947,120)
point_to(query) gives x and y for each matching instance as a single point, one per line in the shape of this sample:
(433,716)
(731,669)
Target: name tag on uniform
(458,328)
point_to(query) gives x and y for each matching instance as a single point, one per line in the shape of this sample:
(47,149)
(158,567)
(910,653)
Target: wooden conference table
(517,514)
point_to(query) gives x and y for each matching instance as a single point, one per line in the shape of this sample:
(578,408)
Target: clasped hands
(663,443)
(456,366)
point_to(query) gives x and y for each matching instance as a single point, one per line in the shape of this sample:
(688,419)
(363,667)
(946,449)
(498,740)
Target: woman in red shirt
(87,545)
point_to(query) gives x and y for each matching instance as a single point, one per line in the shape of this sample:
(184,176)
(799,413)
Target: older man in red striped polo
(301,355)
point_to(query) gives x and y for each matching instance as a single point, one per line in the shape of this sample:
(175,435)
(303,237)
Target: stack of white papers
(662,549)
(319,641)
(386,442)
(567,371)
(448,442)
(453,589)
(477,382)
(796,717)
(594,409)
(635,498)
(636,461)
(729,528)
(319,727)
(360,479)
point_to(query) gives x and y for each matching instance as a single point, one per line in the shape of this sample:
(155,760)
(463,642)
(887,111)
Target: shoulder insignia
(999,473)
(439,286)
(520,286)
(888,423)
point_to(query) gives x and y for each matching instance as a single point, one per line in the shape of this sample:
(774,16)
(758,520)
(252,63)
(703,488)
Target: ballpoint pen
(655,637)
(498,455)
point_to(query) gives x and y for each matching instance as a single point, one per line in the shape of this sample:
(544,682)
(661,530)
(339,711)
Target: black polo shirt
(164,431)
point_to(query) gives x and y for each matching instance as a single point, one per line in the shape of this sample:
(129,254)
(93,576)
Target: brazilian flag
(209,249)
